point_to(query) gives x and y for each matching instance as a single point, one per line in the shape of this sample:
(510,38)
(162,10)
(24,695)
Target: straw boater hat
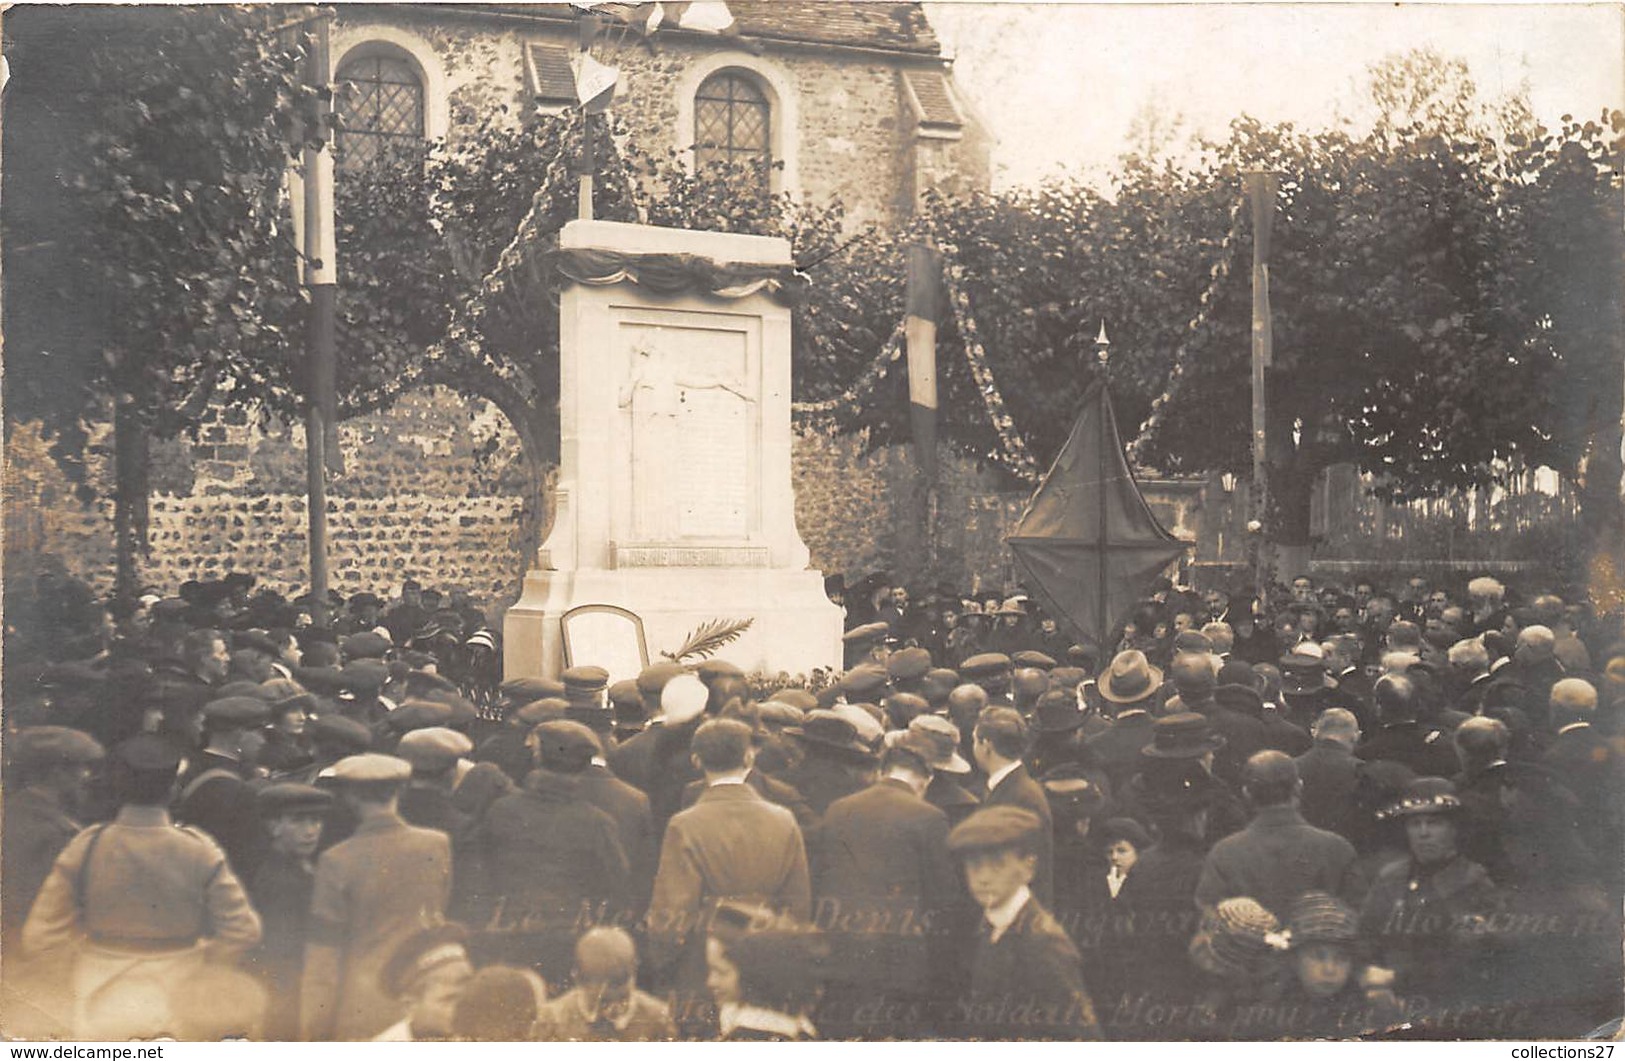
(1130,679)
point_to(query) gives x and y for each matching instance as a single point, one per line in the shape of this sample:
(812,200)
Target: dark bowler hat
(1032,658)
(985,665)
(149,753)
(53,746)
(289,797)
(997,828)
(239,712)
(1186,735)
(564,747)
(1235,672)
(1130,679)
(337,730)
(1424,795)
(826,729)
(1057,711)
(908,664)
(434,749)
(584,683)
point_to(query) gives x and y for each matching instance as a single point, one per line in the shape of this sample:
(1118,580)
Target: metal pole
(1261,189)
(321,278)
(1103,354)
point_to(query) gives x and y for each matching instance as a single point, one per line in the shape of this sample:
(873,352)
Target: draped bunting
(849,400)
(679,274)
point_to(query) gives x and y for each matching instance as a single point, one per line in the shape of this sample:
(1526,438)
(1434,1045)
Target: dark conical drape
(1088,541)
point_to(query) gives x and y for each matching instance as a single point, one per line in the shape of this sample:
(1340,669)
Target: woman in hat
(1425,914)
(1238,952)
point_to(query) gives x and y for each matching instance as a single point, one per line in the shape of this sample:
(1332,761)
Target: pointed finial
(1102,344)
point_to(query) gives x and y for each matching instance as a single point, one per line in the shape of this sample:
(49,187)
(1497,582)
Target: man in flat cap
(907,668)
(281,891)
(882,884)
(991,671)
(139,897)
(384,882)
(732,844)
(1000,741)
(549,858)
(214,793)
(50,767)
(1026,980)
(434,752)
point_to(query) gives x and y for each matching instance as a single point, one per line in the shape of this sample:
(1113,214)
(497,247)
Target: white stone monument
(674,497)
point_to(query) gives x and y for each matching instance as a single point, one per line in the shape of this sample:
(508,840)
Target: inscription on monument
(713,465)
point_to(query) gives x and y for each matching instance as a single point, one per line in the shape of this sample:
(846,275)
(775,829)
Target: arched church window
(379,101)
(732,122)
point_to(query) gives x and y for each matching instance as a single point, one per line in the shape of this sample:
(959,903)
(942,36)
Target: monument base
(795,628)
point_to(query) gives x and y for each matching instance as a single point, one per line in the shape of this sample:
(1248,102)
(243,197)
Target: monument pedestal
(674,498)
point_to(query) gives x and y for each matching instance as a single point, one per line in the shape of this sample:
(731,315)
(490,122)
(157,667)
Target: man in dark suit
(882,882)
(836,762)
(1427,750)
(1000,741)
(1026,979)
(1130,689)
(214,793)
(630,809)
(1279,856)
(732,844)
(1194,680)
(1330,773)
(1592,765)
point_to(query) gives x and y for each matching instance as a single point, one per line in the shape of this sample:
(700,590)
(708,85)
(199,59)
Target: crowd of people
(1340,812)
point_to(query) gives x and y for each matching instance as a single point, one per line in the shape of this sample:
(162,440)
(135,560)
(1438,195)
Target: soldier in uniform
(138,898)
(1403,738)
(427,974)
(386,881)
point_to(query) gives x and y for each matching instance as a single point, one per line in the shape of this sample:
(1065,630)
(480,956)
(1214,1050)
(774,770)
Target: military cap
(864,681)
(683,699)
(712,669)
(53,746)
(420,954)
(337,730)
(799,698)
(365,645)
(584,682)
(1032,658)
(867,634)
(370,768)
(654,677)
(240,712)
(985,665)
(433,749)
(538,711)
(243,688)
(254,641)
(996,828)
(289,797)
(908,664)
(524,690)
(418,714)
(777,714)
(364,676)
(149,753)
(564,746)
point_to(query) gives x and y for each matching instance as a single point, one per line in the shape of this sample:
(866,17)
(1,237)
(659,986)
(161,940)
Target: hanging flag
(712,17)
(920,330)
(595,82)
(1088,541)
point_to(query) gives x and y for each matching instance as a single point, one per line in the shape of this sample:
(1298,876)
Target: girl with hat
(1324,991)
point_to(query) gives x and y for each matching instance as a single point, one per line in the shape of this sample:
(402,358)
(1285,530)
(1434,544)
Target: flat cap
(149,753)
(864,681)
(239,711)
(800,698)
(421,953)
(908,664)
(712,669)
(866,634)
(418,714)
(364,676)
(1193,641)
(564,746)
(433,749)
(985,665)
(524,690)
(538,711)
(365,645)
(776,713)
(289,797)
(254,641)
(337,730)
(584,681)
(995,828)
(370,768)
(53,746)
(865,719)
(654,677)
(1031,658)
(624,695)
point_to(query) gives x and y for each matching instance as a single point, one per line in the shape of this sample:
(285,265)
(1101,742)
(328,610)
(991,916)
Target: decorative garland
(1216,278)
(849,400)
(1012,452)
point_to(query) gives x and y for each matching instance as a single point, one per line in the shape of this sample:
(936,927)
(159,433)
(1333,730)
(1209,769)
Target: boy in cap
(371,889)
(139,897)
(1026,981)
(427,974)
(281,891)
